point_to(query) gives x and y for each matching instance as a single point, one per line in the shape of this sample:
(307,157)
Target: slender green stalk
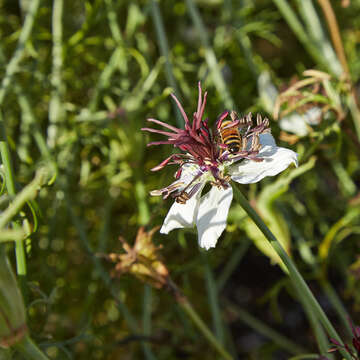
(10,186)
(355,112)
(337,304)
(56,108)
(339,48)
(147,307)
(13,64)
(164,49)
(318,331)
(232,263)
(294,274)
(214,301)
(29,349)
(186,306)
(105,77)
(313,23)
(305,357)
(210,56)
(334,33)
(113,24)
(267,331)
(300,33)
(29,117)
(118,56)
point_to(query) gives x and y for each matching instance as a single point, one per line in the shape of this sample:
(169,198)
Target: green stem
(26,194)
(210,56)
(186,306)
(355,112)
(301,34)
(315,31)
(12,66)
(305,357)
(213,300)
(232,263)
(267,331)
(294,274)
(29,349)
(56,108)
(164,49)
(10,186)
(337,304)
(147,307)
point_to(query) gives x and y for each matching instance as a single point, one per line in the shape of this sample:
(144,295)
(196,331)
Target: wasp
(231,132)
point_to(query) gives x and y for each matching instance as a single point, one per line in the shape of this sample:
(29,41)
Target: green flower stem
(294,274)
(189,310)
(29,349)
(318,331)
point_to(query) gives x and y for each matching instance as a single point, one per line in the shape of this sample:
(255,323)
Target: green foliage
(79,79)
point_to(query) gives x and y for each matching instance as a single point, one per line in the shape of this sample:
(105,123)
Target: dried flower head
(235,149)
(142,260)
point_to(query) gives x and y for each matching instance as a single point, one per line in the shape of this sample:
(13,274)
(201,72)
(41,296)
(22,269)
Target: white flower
(299,123)
(295,122)
(209,212)
(235,149)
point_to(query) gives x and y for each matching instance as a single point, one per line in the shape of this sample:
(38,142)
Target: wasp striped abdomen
(230,136)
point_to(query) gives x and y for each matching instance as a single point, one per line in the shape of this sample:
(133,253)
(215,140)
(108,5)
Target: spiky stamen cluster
(202,151)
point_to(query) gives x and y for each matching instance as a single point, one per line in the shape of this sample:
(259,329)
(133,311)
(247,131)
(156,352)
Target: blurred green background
(90,74)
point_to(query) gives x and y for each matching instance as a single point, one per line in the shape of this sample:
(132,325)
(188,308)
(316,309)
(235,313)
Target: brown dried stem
(335,33)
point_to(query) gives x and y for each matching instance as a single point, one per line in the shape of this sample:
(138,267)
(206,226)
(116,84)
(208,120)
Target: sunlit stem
(193,315)
(293,272)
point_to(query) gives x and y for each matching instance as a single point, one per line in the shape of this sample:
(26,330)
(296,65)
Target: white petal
(267,91)
(297,123)
(182,215)
(276,160)
(212,215)
(313,115)
(294,123)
